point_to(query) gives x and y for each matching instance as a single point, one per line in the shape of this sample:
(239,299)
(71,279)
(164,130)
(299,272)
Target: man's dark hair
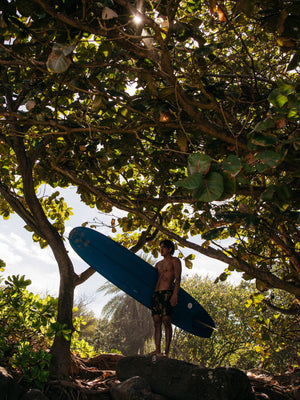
(169,244)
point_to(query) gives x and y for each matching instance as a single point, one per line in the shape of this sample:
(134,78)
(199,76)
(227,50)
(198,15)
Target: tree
(246,337)
(228,344)
(119,108)
(124,315)
(18,187)
(19,190)
(275,334)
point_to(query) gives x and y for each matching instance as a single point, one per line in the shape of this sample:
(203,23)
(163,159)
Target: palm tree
(133,322)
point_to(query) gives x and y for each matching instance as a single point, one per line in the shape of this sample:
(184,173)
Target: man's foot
(155,353)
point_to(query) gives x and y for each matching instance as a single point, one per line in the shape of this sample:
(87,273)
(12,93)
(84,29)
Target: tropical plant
(125,315)
(27,328)
(86,320)
(130,322)
(79,345)
(276,335)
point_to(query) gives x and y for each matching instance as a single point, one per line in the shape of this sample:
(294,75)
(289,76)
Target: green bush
(80,346)
(27,329)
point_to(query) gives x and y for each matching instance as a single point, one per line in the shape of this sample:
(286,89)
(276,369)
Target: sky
(25,257)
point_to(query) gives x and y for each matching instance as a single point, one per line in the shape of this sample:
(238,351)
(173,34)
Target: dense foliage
(246,335)
(183,114)
(27,329)
(27,326)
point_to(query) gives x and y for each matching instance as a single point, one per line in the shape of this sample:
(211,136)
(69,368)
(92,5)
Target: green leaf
(264,125)
(190,257)
(212,188)
(232,164)
(269,158)
(198,162)
(249,303)
(258,298)
(268,194)
(284,88)
(188,263)
(278,99)
(283,193)
(223,277)
(279,96)
(191,182)
(229,186)
(263,139)
(212,234)
(247,277)
(2,265)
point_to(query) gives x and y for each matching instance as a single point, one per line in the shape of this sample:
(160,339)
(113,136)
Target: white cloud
(6,253)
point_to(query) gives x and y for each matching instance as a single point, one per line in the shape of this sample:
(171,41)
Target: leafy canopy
(188,120)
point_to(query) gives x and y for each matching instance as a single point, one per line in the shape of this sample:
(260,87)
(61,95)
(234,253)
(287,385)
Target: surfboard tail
(207,325)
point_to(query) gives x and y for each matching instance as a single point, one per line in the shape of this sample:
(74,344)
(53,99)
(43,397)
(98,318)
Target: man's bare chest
(165,268)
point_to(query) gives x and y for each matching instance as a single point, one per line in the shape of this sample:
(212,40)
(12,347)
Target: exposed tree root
(91,378)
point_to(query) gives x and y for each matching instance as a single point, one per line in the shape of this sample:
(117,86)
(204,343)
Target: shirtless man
(165,293)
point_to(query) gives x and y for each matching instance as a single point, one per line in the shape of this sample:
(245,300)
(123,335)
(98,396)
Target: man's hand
(173,300)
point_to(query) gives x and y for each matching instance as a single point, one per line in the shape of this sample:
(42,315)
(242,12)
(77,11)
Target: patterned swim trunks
(160,303)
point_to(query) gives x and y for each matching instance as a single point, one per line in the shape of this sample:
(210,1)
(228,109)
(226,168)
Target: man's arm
(177,279)
(157,265)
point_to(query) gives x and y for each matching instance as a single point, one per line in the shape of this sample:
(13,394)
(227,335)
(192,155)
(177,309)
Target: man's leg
(168,333)
(157,333)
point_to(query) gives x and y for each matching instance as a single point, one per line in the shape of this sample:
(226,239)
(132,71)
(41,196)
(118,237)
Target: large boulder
(179,380)
(9,389)
(135,388)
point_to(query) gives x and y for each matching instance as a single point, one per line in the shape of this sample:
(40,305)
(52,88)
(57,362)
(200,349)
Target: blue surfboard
(136,277)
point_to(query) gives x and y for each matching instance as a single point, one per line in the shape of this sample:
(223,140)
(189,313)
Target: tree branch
(265,276)
(294,310)
(80,278)
(19,208)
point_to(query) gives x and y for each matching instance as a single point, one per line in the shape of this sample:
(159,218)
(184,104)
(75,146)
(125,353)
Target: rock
(135,388)
(34,394)
(9,389)
(106,361)
(273,387)
(179,380)
(295,381)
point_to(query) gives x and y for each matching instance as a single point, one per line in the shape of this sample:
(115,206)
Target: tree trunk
(61,359)
(60,350)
